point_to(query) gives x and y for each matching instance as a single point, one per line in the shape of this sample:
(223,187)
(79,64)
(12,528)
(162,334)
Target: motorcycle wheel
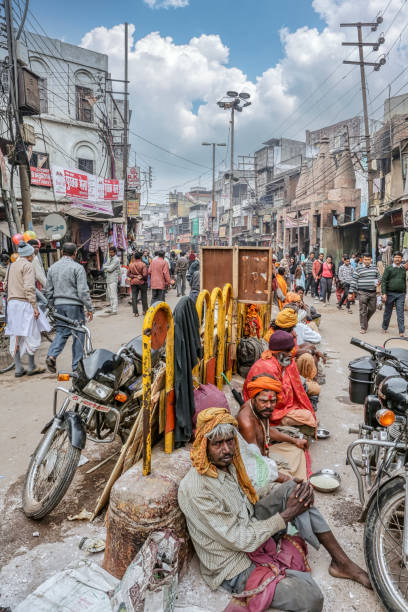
(383,546)
(45,485)
(6,360)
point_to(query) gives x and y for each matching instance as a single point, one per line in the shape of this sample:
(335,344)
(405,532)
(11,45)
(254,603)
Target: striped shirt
(365,278)
(309,265)
(346,274)
(221,524)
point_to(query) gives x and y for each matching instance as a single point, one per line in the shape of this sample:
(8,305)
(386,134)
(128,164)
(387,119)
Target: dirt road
(27,559)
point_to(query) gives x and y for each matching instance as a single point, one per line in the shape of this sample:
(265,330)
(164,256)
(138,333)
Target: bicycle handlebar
(64,319)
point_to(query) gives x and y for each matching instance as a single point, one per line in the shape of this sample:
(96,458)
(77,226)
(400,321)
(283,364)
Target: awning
(37,228)
(79,213)
(360,221)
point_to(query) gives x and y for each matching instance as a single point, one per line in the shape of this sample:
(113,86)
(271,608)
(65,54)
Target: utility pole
(20,153)
(230,217)
(126,129)
(213,202)
(377,65)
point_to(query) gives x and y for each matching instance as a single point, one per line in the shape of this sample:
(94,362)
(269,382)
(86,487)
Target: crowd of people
(29,291)
(374,285)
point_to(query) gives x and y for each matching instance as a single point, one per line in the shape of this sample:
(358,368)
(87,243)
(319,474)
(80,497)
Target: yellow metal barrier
(158,327)
(204,300)
(217,298)
(228,309)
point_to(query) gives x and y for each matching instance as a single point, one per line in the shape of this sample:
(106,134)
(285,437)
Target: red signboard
(76,184)
(40,177)
(111,189)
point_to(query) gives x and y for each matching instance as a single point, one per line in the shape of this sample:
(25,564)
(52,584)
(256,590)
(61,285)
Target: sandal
(363,331)
(37,370)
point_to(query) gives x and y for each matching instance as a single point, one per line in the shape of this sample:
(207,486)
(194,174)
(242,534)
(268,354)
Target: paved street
(26,405)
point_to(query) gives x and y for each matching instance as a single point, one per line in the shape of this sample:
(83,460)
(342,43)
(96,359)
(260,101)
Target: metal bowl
(322,434)
(329,474)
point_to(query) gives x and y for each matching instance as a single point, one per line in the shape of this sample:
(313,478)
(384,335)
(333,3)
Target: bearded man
(285,443)
(241,542)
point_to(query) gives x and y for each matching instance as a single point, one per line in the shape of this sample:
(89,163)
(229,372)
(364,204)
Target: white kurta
(24,330)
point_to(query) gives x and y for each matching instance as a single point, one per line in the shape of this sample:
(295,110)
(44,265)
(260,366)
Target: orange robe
(283,287)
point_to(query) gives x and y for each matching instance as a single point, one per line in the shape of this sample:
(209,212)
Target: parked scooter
(382,473)
(104,400)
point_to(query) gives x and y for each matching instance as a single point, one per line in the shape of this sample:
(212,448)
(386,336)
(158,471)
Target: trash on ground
(92,545)
(84,515)
(36,534)
(83,460)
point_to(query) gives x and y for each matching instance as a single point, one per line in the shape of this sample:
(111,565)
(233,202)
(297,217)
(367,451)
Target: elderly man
(25,321)
(112,272)
(241,542)
(254,426)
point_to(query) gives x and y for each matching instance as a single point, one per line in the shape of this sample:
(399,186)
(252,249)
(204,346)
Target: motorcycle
(382,475)
(103,401)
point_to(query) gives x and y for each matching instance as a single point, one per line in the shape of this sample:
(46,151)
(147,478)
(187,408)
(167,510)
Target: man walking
(317,271)
(308,267)
(345,276)
(67,290)
(112,272)
(159,277)
(393,289)
(181,271)
(364,282)
(25,321)
(137,273)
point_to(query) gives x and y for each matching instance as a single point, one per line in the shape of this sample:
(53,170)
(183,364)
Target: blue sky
(250,28)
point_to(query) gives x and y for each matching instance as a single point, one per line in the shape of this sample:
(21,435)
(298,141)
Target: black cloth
(187,351)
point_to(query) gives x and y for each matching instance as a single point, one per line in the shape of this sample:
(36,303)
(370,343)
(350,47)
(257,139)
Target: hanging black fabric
(187,351)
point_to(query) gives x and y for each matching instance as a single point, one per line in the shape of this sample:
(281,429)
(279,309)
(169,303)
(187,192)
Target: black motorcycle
(103,401)
(382,474)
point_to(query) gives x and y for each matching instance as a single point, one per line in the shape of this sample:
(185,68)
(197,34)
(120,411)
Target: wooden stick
(96,467)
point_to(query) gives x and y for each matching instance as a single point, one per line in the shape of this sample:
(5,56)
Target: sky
(185,54)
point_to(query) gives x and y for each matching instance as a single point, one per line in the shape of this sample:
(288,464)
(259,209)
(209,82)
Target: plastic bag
(261,470)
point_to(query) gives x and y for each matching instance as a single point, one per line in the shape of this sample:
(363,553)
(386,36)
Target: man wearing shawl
(293,407)
(282,287)
(241,542)
(254,426)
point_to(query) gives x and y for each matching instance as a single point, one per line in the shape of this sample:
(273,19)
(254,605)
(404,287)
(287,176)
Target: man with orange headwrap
(239,540)
(254,426)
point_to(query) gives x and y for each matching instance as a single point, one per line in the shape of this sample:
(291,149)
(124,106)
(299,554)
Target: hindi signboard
(74,183)
(40,177)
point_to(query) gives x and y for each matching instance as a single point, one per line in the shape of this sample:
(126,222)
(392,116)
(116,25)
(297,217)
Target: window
(42,90)
(349,213)
(87,165)
(84,104)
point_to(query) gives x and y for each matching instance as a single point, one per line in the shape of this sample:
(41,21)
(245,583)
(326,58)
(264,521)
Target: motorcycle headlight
(385,417)
(97,390)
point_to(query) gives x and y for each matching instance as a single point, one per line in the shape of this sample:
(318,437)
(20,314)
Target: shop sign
(110,189)
(184,238)
(196,226)
(104,208)
(294,221)
(40,177)
(222,232)
(134,178)
(134,206)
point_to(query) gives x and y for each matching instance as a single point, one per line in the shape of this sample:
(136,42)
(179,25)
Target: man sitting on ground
(241,542)
(254,426)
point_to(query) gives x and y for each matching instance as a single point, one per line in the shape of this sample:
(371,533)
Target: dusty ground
(25,405)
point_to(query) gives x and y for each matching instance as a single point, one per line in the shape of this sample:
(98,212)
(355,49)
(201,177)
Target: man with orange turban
(232,532)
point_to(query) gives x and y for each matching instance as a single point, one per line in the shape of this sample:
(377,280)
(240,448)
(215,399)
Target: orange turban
(286,319)
(292,297)
(264,383)
(207,420)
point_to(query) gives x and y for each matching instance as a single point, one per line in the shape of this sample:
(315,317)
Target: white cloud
(308,88)
(167,3)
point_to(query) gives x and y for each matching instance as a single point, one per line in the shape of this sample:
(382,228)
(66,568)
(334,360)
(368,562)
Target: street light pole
(231,175)
(213,204)
(237,103)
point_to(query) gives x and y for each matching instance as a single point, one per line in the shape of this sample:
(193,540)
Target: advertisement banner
(74,183)
(40,177)
(134,206)
(196,226)
(293,221)
(134,178)
(184,238)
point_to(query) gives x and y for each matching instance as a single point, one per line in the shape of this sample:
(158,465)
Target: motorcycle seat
(136,345)
(400,353)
